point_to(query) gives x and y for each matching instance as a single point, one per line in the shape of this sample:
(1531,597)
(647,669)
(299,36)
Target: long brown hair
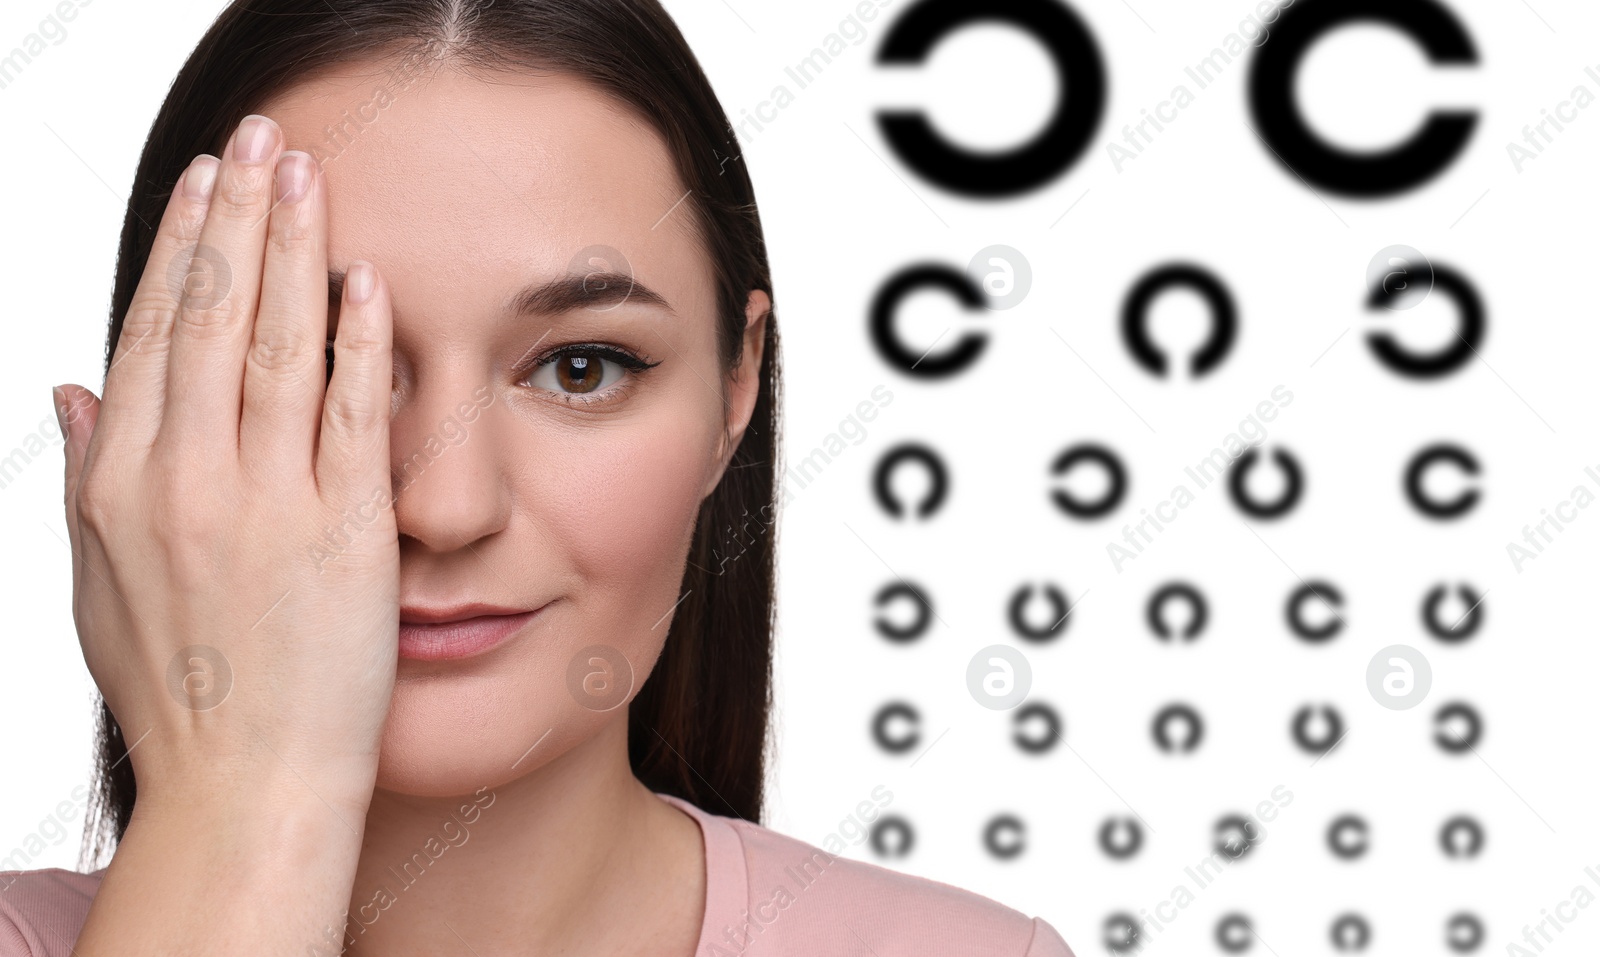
(698,729)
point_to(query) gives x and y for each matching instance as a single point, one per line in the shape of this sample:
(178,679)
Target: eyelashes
(573,366)
(592,357)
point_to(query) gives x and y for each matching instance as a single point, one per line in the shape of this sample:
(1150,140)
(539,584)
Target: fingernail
(58,402)
(294,175)
(202,174)
(254,139)
(358,283)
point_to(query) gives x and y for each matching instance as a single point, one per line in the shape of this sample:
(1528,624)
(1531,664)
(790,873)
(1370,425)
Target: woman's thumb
(77,409)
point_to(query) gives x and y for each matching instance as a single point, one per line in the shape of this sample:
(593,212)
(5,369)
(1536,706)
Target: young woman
(373,629)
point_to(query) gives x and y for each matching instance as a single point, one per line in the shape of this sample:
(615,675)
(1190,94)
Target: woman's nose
(448,472)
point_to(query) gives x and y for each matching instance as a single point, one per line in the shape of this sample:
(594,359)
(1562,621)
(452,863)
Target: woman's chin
(444,739)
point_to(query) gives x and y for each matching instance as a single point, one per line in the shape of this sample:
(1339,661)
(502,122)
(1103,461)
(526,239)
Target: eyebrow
(557,296)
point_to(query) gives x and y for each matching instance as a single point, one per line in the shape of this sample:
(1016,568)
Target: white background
(841,214)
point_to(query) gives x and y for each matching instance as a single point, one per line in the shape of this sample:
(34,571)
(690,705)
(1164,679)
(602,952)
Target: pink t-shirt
(767,895)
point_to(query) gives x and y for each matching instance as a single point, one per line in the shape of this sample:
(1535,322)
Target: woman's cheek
(624,519)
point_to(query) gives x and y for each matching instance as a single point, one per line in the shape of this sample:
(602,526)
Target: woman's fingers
(136,381)
(215,324)
(285,368)
(353,449)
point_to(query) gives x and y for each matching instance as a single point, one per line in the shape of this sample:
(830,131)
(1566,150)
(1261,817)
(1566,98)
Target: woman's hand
(235,560)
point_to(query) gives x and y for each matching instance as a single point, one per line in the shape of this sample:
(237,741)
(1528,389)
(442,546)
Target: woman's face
(518,484)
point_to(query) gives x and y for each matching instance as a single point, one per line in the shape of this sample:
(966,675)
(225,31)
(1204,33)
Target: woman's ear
(744,386)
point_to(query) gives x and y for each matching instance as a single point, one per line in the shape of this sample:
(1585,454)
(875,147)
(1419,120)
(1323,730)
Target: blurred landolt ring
(598,265)
(202,275)
(599,678)
(199,677)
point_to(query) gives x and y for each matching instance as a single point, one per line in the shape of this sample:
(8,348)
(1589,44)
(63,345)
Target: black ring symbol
(914,279)
(1136,310)
(1469,334)
(1236,836)
(1453,743)
(1153,612)
(991,836)
(1302,733)
(1052,722)
(1330,595)
(1464,933)
(1294,144)
(1121,933)
(1081,99)
(1190,717)
(910,451)
(895,824)
(1459,827)
(1423,461)
(1234,933)
(1351,932)
(1123,847)
(1295,484)
(1450,633)
(880,727)
(1107,460)
(1340,841)
(1059,608)
(912,631)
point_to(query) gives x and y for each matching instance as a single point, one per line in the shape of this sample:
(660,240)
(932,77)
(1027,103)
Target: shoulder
(804,899)
(41,911)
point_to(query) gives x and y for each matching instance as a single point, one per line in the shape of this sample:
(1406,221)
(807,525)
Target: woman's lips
(460,639)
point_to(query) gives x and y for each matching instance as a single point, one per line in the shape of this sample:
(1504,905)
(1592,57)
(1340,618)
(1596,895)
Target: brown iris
(578,373)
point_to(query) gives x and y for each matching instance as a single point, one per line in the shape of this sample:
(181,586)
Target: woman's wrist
(235,871)
(272,809)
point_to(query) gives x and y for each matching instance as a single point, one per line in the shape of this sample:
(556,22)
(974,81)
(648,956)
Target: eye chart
(1189,463)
